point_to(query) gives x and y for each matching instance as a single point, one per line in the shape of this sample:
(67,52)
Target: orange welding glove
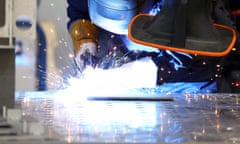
(84,35)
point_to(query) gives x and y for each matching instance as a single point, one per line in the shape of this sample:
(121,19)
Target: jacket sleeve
(234,4)
(77,9)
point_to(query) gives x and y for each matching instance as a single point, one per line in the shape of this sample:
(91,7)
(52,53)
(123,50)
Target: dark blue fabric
(77,9)
(234,4)
(41,59)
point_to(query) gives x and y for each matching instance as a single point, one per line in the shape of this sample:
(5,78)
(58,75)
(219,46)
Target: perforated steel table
(189,118)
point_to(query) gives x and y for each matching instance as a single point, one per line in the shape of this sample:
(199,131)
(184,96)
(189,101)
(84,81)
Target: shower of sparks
(116,81)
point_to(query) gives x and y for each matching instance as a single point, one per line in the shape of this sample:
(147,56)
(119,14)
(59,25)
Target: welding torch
(86,60)
(84,35)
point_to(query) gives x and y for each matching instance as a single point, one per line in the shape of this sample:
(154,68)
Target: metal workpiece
(189,118)
(7,55)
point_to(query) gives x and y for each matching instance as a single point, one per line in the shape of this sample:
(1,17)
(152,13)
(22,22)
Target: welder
(98,31)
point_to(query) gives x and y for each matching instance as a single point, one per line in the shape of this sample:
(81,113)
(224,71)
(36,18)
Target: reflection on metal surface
(201,118)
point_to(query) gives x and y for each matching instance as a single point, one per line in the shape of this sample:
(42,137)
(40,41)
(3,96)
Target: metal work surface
(189,118)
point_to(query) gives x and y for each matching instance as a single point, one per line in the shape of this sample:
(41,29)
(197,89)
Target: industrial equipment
(17,22)
(7,64)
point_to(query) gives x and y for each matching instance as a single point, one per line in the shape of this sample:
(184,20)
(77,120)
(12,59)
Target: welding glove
(84,35)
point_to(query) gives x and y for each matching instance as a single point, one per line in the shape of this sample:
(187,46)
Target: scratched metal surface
(190,118)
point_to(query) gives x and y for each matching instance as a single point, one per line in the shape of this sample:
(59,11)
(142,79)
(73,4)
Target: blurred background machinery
(7,56)
(17,20)
(35,47)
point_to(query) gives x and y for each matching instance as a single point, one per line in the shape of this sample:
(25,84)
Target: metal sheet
(196,118)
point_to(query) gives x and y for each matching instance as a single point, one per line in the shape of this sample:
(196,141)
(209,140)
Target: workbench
(187,118)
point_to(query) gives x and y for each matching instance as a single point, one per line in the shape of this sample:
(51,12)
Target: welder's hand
(84,35)
(85,54)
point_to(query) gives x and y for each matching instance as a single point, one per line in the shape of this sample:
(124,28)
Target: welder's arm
(84,35)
